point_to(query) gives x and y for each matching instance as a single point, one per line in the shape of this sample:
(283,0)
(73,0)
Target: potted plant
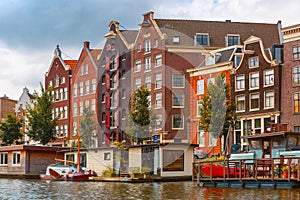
(285,171)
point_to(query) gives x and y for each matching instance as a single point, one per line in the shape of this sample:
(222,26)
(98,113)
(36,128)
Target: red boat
(219,170)
(73,176)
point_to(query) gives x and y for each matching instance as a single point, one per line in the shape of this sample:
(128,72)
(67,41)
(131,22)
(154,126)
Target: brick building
(7,106)
(58,77)
(84,91)
(290,99)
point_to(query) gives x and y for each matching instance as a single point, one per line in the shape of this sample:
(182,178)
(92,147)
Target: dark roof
(130,35)
(95,53)
(218,30)
(225,55)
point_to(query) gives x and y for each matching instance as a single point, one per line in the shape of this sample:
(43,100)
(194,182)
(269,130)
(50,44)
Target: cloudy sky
(31,29)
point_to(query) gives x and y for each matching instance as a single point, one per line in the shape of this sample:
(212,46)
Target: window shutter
(107,100)
(107,138)
(107,81)
(107,63)
(107,120)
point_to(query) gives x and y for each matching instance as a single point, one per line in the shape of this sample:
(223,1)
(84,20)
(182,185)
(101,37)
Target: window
(86,69)
(254,80)
(200,87)
(253,62)
(123,74)
(158,60)
(87,87)
(103,79)
(56,81)
(139,47)
(16,158)
(123,114)
(50,83)
(61,93)
(65,93)
(147,46)
(94,85)
(93,106)
(296,53)
(296,102)
(158,122)
(254,101)
(177,122)
(148,82)
(178,80)
(123,93)
(75,109)
(178,100)
(75,128)
(211,81)
(112,120)
(202,39)
(158,100)
(240,82)
(113,100)
(212,140)
(156,43)
(233,40)
(81,88)
(63,80)
(81,70)
(80,108)
(103,117)
(138,83)
(113,65)
(107,156)
(137,66)
(297,128)
(296,75)
(240,102)
(237,60)
(198,107)
(149,100)
(269,77)
(201,137)
(158,81)
(148,64)
(103,98)
(113,81)
(66,112)
(269,99)
(257,125)
(173,160)
(4,158)
(176,39)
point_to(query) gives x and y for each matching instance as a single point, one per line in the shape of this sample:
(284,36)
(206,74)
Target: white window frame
(250,101)
(179,77)
(148,82)
(180,100)
(270,101)
(233,35)
(182,122)
(238,99)
(253,62)
(16,158)
(158,100)
(240,82)
(202,34)
(137,82)
(200,86)
(176,39)
(147,47)
(158,60)
(137,66)
(268,77)
(256,86)
(147,64)
(158,81)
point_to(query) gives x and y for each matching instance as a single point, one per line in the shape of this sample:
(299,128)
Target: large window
(158,60)
(173,160)
(178,100)
(16,158)
(75,90)
(158,100)
(240,102)
(4,158)
(158,81)
(269,77)
(233,40)
(87,87)
(148,82)
(202,39)
(254,80)
(297,103)
(178,80)
(296,75)
(138,83)
(240,82)
(269,99)
(148,64)
(198,107)
(147,46)
(253,62)
(137,66)
(177,122)
(296,53)
(200,87)
(81,88)
(254,101)
(75,109)
(56,81)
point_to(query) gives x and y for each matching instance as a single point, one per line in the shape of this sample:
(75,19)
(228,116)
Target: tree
(87,127)
(140,120)
(41,124)
(10,132)
(218,109)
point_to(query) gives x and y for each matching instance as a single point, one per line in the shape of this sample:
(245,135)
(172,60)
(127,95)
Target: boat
(215,171)
(59,169)
(83,175)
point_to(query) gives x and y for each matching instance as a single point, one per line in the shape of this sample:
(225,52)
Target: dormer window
(176,39)
(253,62)
(210,60)
(233,40)
(202,39)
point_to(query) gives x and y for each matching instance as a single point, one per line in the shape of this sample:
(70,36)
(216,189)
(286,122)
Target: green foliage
(42,126)
(10,130)
(108,172)
(87,127)
(205,113)
(141,120)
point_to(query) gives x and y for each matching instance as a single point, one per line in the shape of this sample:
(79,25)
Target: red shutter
(107,63)
(117,98)
(107,100)
(117,78)
(107,81)
(107,120)
(117,61)
(107,138)
(117,118)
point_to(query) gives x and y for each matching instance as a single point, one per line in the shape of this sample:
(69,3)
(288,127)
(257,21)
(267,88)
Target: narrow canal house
(290,98)
(58,77)
(256,87)
(83,89)
(114,89)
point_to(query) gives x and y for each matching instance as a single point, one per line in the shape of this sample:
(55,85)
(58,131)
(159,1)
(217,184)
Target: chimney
(227,20)
(147,17)
(57,51)
(86,44)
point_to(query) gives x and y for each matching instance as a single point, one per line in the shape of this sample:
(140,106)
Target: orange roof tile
(71,63)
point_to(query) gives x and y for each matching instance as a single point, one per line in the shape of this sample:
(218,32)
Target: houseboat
(270,161)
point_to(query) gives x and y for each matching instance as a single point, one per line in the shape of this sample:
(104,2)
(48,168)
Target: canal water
(37,189)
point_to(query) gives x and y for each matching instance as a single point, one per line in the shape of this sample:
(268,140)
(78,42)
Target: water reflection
(36,189)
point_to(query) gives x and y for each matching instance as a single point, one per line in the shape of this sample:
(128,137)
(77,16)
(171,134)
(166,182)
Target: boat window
(255,144)
(277,142)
